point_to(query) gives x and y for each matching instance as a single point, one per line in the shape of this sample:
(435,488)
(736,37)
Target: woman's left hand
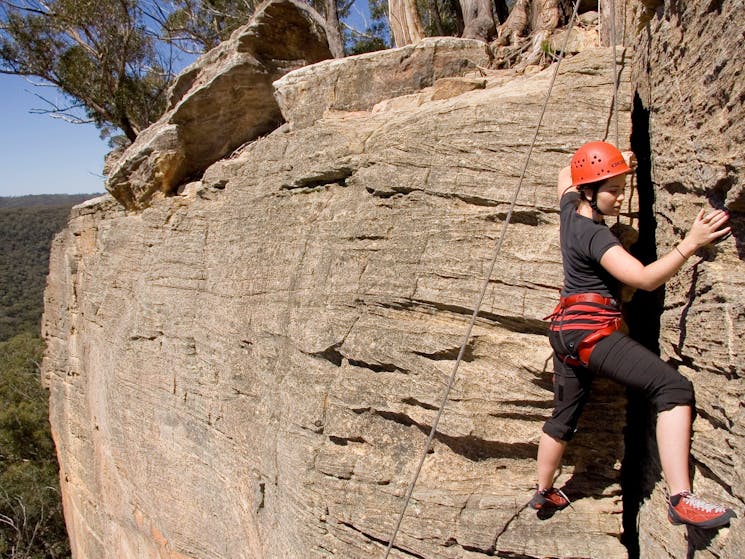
(706,228)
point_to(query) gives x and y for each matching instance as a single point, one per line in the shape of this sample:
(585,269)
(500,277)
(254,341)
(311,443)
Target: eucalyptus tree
(109,66)
(473,19)
(110,62)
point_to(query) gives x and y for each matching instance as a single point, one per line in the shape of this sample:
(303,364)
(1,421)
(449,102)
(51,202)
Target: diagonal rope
(484,287)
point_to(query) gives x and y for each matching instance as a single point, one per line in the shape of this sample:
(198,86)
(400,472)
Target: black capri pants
(623,360)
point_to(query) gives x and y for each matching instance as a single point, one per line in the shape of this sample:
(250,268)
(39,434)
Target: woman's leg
(674,444)
(550,451)
(674,441)
(625,361)
(631,364)
(571,391)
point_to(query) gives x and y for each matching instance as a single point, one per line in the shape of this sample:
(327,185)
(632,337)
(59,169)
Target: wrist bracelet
(681,253)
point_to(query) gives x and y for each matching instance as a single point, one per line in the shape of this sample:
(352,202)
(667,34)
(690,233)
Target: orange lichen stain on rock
(139,519)
(164,551)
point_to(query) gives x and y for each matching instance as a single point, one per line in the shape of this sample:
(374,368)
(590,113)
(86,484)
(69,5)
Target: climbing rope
(614,108)
(482,292)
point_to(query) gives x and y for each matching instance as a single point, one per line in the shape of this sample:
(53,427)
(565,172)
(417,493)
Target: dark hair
(593,185)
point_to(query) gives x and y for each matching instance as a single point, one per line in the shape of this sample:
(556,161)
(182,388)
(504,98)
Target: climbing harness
(482,292)
(592,312)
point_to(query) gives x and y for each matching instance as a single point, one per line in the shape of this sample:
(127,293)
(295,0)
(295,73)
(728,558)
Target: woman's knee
(558,430)
(677,391)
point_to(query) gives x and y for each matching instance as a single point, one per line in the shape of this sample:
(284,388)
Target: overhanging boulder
(220,102)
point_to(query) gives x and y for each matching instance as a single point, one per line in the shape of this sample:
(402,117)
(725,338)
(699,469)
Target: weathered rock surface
(220,102)
(690,79)
(250,368)
(359,82)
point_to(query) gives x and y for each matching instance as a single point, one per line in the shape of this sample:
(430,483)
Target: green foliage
(23,435)
(25,237)
(364,44)
(199,25)
(44,200)
(441,18)
(547,49)
(31,521)
(99,53)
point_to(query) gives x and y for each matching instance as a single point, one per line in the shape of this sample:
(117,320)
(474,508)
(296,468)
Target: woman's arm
(627,269)
(564,182)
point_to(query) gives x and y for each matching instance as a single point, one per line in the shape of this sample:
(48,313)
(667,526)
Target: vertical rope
(615,69)
(482,292)
(614,105)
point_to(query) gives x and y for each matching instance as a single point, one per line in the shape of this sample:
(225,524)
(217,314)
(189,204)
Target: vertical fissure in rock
(642,315)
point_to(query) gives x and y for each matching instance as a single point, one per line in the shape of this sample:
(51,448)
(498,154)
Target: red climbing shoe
(686,508)
(549,498)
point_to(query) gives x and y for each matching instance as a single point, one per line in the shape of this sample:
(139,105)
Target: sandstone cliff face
(197,130)
(691,87)
(250,368)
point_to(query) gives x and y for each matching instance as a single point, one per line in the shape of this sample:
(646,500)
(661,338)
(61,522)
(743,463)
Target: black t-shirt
(583,244)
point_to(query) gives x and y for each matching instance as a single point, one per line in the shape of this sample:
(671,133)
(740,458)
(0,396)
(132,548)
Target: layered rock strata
(250,368)
(220,102)
(690,89)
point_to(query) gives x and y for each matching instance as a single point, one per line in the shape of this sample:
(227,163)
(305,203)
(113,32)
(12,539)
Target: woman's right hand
(705,229)
(630,158)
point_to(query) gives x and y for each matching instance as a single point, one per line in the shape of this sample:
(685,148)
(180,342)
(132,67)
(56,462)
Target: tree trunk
(528,16)
(458,11)
(405,22)
(435,12)
(336,44)
(478,17)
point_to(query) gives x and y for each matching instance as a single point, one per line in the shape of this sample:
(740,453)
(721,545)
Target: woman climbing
(585,336)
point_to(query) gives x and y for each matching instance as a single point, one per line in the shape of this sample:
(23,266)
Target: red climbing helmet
(596,161)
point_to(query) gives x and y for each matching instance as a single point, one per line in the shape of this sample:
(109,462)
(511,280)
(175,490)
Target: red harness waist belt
(599,315)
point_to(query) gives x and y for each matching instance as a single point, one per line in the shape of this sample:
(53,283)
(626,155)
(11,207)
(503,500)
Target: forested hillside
(27,225)
(63,202)
(31,522)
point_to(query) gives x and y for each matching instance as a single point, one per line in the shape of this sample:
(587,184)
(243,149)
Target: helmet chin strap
(594,205)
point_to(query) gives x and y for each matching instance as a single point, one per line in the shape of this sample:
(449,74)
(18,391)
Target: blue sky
(43,155)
